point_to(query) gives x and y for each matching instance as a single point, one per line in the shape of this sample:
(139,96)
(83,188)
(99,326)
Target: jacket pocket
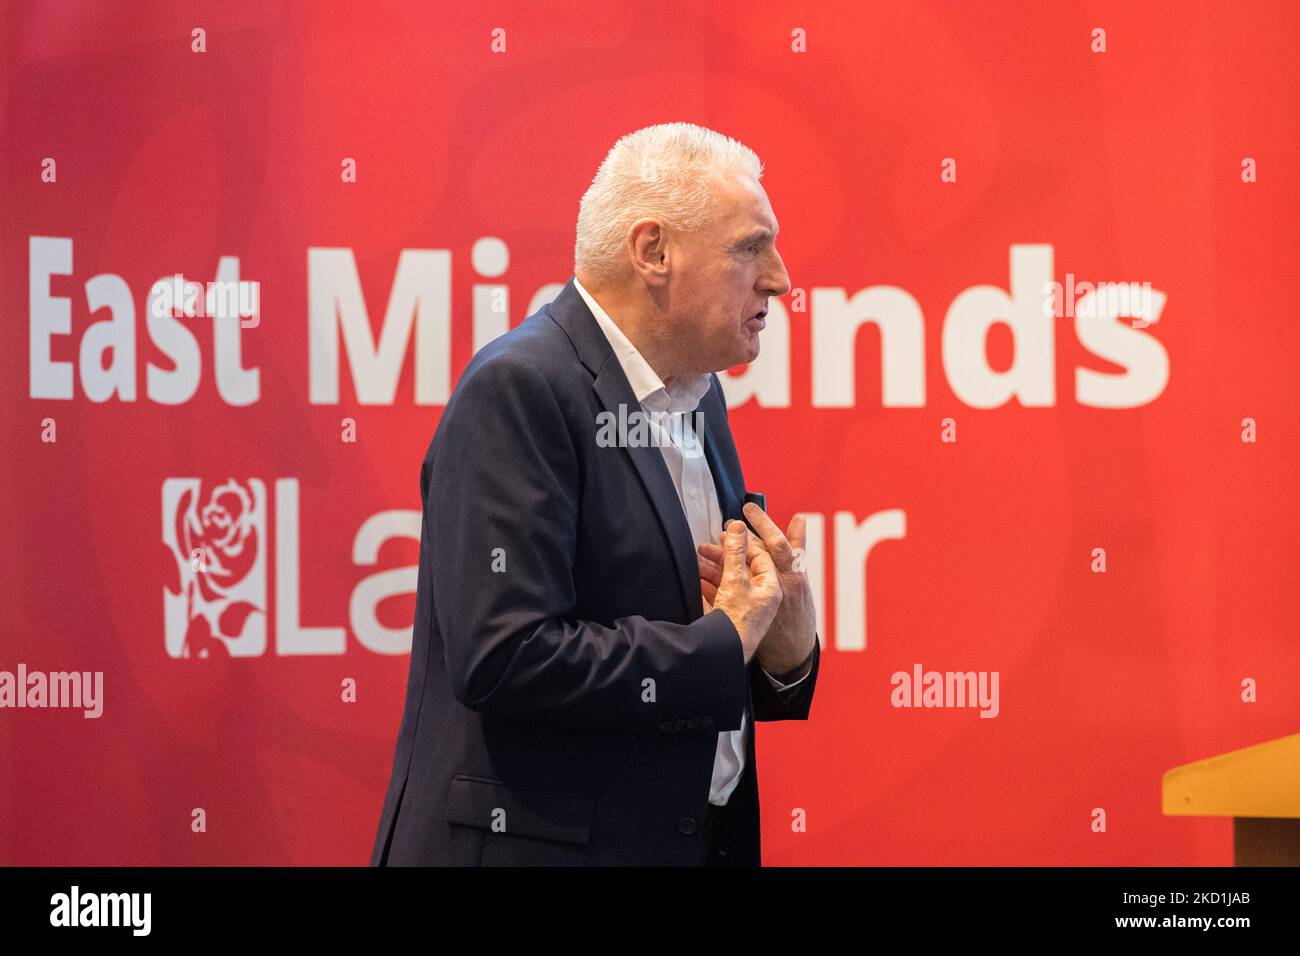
(522,811)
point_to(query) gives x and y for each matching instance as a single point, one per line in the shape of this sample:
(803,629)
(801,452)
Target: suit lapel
(730,500)
(612,387)
(715,423)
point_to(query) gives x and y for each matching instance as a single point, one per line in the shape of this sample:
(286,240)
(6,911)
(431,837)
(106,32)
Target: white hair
(667,172)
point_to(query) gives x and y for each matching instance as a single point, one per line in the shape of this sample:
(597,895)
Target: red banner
(1033,386)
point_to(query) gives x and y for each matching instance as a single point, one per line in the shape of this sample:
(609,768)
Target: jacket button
(686,825)
(693,723)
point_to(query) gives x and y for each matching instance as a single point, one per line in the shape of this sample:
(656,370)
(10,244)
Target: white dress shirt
(695,489)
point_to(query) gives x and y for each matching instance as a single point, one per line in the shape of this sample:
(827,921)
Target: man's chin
(742,356)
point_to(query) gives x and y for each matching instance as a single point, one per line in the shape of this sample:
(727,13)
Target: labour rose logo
(215,605)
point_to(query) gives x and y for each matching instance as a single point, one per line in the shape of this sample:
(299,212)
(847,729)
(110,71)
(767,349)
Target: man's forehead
(751,210)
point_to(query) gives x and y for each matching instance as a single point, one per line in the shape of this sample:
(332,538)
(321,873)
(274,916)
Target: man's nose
(776,281)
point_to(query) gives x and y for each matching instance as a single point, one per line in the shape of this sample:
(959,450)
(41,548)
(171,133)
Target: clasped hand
(761,583)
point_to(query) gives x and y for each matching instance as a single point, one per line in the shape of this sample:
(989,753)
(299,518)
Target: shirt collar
(683,395)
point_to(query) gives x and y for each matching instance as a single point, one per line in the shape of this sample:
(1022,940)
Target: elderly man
(591,646)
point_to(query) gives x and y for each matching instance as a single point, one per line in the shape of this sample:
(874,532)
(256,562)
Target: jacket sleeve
(501,489)
(792,703)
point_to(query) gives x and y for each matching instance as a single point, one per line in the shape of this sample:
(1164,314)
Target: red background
(1127,163)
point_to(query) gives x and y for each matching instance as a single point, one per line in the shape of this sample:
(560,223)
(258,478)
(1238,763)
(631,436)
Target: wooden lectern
(1259,787)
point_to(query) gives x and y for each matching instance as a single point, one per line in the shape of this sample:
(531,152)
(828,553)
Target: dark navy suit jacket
(566,690)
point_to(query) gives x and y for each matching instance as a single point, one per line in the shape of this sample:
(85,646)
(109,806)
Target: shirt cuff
(780,686)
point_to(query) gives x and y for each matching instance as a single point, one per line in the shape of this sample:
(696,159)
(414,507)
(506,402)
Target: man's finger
(711,551)
(709,590)
(709,571)
(734,561)
(714,552)
(763,564)
(773,539)
(797,534)
(753,545)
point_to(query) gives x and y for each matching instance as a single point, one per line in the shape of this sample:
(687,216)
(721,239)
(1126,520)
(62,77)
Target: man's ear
(649,258)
